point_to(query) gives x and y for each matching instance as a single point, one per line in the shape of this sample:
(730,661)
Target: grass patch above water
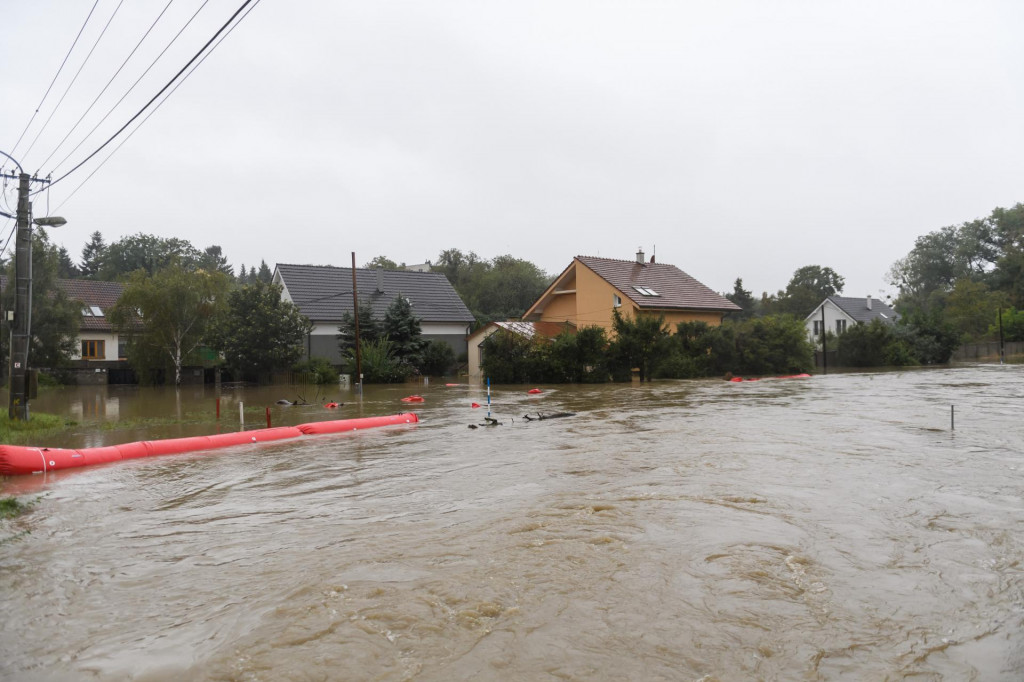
(17,432)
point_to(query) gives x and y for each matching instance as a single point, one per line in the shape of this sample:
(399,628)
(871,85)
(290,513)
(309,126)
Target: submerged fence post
(952,426)
(268,417)
(241,414)
(218,409)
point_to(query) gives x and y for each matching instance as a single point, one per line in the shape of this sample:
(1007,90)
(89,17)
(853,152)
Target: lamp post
(21,332)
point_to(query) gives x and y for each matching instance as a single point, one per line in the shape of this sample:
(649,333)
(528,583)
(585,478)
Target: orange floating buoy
(331,406)
(475,405)
(534,391)
(453,384)
(413,399)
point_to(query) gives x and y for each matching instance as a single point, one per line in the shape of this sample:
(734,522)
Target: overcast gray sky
(738,139)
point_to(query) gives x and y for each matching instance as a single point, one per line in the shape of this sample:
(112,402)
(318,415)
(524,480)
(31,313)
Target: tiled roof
(531,329)
(857,308)
(89,293)
(674,288)
(324,293)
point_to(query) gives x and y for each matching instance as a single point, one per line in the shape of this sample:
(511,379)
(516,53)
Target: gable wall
(832,314)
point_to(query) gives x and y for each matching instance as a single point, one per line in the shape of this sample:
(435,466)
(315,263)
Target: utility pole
(21,328)
(355,316)
(18,408)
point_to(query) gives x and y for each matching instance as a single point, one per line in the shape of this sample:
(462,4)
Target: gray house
(836,313)
(324,293)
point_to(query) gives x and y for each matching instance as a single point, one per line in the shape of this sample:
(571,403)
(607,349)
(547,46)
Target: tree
(403,329)
(635,343)
(260,331)
(264,274)
(809,286)
(969,307)
(744,299)
(55,317)
(66,268)
(774,344)
(149,253)
(92,256)
(369,328)
(168,315)
(384,262)
(214,259)
(507,288)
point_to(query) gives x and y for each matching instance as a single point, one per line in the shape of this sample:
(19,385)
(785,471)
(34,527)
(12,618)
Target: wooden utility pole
(355,316)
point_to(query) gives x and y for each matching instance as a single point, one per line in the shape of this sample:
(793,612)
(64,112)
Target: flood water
(819,529)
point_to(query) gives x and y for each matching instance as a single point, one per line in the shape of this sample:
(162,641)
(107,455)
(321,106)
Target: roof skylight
(646,291)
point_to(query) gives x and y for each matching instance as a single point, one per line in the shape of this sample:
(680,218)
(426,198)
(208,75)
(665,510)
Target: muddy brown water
(820,529)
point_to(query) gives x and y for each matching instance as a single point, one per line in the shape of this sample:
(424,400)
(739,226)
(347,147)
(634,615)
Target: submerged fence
(988,350)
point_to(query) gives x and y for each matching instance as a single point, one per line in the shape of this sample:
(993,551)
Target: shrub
(437,359)
(379,364)
(318,370)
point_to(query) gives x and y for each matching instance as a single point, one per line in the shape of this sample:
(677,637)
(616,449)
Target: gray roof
(673,289)
(324,293)
(857,308)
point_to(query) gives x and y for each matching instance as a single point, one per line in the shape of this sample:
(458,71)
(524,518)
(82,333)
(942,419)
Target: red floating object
(475,405)
(534,391)
(331,406)
(413,399)
(453,384)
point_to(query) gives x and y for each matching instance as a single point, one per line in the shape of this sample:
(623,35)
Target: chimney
(380,280)
(640,255)
(869,301)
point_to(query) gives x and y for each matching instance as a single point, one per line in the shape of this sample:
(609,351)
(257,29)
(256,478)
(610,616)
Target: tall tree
(92,256)
(369,328)
(66,268)
(404,330)
(55,317)
(149,253)
(809,286)
(260,331)
(383,262)
(213,258)
(264,274)
(168,315)
(636,341)
(744,299)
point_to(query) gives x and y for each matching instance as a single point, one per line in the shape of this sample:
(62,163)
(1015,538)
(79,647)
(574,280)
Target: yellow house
(589,290)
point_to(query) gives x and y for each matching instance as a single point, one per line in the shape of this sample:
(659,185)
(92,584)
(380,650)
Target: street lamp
(21,333)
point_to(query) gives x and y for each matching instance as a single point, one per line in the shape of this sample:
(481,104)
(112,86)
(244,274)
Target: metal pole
(1002,352)
(355,315)
(21,330)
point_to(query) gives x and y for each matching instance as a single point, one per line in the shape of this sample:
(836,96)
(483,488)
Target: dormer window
(646,291)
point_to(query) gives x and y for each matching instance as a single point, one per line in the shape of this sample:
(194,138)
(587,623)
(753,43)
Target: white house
(837,313)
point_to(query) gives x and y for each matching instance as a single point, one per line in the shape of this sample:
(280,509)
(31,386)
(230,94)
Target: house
(323,293)
(588,291)
(836,313)
(527,330)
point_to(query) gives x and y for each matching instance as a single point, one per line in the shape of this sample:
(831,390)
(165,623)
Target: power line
(119,69)
(129,91)
(77,73)
(29,124)
(156,108)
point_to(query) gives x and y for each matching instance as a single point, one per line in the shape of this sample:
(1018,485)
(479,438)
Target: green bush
(319,371)
(437,359)
(379,364)
(771,345)
(1013,325)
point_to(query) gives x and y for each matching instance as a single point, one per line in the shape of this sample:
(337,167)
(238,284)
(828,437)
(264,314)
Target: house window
(122,349)
(617,301)
(93,350)
(840,326)
(817,327)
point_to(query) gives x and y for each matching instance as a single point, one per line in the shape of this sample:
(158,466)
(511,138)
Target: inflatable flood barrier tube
(17,460)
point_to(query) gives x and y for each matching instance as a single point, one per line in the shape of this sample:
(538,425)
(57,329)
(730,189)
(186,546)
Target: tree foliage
(92,256)
(744,299)
(809,286)
(635,342)
(499,289)
(55,317)
(168,315)
(260,331)
(403,329)
(149,253)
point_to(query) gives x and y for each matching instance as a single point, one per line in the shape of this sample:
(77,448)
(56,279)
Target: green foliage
(318,371)
(384,262)
(213,259)
(580,357)
(168,315)
(809,286)
(39,425)
(698,349)
(55,317)
(92,256)
(369,328)
(379,363)
(925,340)
(636,341)
(509,358)
(403,329)
(864,345)
(260,331)
(148,253)
(66,268)
(1013,325)
(499,289)
(775,344)
(437,359)
(744,299)
(969,307)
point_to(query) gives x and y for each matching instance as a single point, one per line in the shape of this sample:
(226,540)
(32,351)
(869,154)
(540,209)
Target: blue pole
(488,396)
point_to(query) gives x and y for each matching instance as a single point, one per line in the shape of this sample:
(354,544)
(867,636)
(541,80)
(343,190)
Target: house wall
(109,349)
(323,341)
(832,315)
(473,354)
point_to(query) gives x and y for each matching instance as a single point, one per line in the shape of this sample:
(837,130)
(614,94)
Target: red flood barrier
(18,459)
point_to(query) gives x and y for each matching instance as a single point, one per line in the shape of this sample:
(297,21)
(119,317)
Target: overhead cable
(155,109)
(129,91)
(77,73)
(29,124)
(126,59)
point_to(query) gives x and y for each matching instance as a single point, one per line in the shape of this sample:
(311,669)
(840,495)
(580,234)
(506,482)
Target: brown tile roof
(674,288)
(89,293)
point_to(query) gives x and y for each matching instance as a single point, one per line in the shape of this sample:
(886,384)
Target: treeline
(757,346)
